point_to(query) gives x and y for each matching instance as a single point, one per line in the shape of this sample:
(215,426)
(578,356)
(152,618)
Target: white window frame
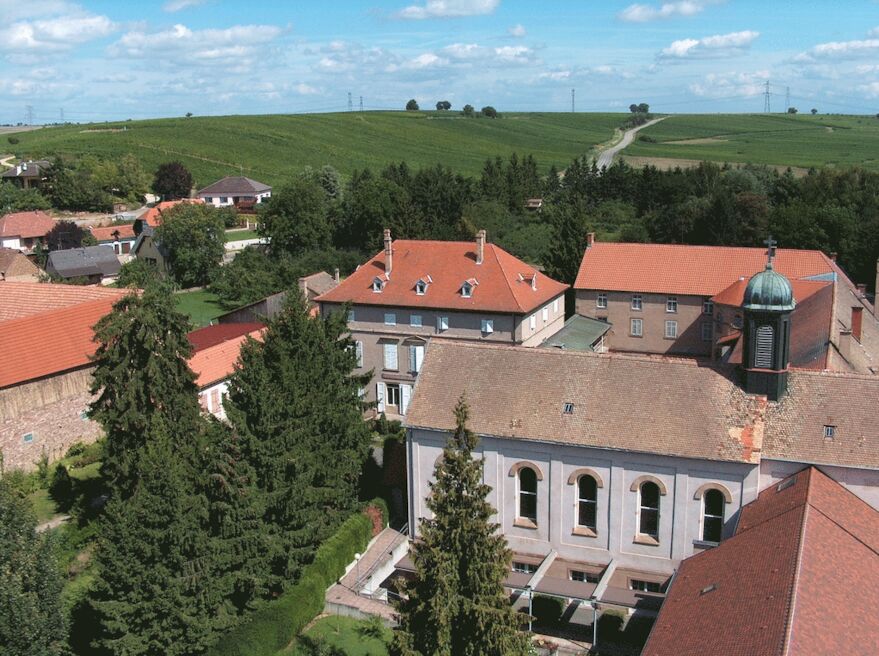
(637,303)
(532,322)
(582,500)
(420,288)
(555,306)
(671,329)
(390,318)
(708,307)
(415,321)
(640,324)
(520,492)
(705,515)
(416,358)
(377,286)
(523,568)
(390,359)
(829,431)
(671,304)
(28,437)
(390,389)
(466,290)
(487,326)
(380,396)
(442,324)
(601,300)
(545,316)
(658,509)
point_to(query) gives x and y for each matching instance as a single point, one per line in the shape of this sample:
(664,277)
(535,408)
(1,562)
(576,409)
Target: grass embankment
(200,306)
(273,148)
(350,636)
(240,235)
(775,139)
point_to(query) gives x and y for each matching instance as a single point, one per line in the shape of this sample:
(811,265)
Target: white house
(235,191)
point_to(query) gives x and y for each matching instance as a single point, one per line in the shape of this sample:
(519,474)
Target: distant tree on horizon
(468,110)
(412,105)
(814,111)
(791,110)
(443,105)
(489,112)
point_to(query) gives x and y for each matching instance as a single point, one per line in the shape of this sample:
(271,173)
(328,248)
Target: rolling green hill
(777,139)
(271,148)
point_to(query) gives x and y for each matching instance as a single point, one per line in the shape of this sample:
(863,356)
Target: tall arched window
(587,501)
(648,509)
(712,515)
(528,494)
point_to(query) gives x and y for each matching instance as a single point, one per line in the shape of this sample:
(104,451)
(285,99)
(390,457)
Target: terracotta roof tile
(682,269)
(216,362)
(212,335)
(800,577)
(153,216)
(26,224)
(24,299)
(621,402)
(112,233)
(449,264)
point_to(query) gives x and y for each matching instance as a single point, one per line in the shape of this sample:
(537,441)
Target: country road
(605,158)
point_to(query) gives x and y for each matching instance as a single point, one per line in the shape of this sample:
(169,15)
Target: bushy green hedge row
(274,625)
(547,610)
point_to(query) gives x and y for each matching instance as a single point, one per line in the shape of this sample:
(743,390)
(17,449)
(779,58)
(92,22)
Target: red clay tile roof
(24,299)
(799,578)
(109,233)
(449,264)
(51,341)
(26,224)
(216,361)
(153,216)
(682,269)
(735,294)
(675,407)
(212,335)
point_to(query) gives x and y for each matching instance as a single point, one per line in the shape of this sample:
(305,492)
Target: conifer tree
(31,619)
(297,407)
(456,606)
(141,376)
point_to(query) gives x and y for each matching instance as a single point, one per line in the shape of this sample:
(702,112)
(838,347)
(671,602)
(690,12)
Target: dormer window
(530,278)
(467,288)
(422,284)
(378,285)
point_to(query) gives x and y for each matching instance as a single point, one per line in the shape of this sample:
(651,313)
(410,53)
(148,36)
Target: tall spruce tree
(296,405)
(456,606)
(32,622)
(142,377)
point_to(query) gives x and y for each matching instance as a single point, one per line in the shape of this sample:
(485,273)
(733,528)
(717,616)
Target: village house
(27,175)
(24,230)
(235,191)
(45,371)
(16,267)
(413,290)
(120,237)
(148,248)
(608,470)
(153,216)
(97,264)
(215,351)
(683,300)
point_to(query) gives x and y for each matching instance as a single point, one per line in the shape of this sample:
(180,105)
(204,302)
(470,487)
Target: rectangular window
(358,351)
(637,302)
(27,438)
(829,432)
(442,324)
(415,320)
(390,356)
(416,357)
(532,322)
(555,306)
(671,304)
(707,331)
(636,327)
(393,395)
(390,319)
(224,199)
(707,306)
(487,326)
(645,586)
(671,329)
(524,568)
(586,577)
(545,314)
(601,301)
(350,316)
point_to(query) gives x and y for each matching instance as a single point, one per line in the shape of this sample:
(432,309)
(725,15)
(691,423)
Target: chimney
(833,255)
(389,253)
(862,290)
(857,321)
(336,274)
(590,239)
(480,246)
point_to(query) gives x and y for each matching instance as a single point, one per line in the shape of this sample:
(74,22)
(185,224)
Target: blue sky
(105,60)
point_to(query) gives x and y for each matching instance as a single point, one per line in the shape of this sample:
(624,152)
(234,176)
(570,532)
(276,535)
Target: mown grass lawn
(239,235)
(200,306)
(346,634)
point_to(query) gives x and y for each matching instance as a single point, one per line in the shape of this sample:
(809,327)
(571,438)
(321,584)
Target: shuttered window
(390,353)
(763,347)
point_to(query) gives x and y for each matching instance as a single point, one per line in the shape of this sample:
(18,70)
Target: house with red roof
(23,230)
(215,353)
(153,216)
(120,237)
(414,290)
(46,333)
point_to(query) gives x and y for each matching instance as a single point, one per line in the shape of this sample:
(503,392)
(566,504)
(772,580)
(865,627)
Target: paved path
(605,158)
(5,160)
(53,523)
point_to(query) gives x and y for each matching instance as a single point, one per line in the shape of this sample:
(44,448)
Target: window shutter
(405,395)
(390,356)
(358,351)
(380,396)
(763,348)
(413,366)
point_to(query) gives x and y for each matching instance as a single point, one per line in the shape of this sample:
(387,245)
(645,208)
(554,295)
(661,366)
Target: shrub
(373,628)
(61,488)
(272,626)
(610,625)
(637,629)
(76,449)
(547,611)
(23,483)
(90,453)
(13,140)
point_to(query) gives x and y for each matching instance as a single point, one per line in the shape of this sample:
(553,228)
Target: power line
(766,98)
(350,104)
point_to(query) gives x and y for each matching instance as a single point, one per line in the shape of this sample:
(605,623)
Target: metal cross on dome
(770,251)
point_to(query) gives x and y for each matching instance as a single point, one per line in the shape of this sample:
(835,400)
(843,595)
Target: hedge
(274,625)
(547,610)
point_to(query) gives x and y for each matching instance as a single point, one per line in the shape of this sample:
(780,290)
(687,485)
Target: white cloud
(718,45)
(514,54)
(13,10)
(464,51)
(344,57)
(448,9)
(871,90)
(733,83)
(638,13)
(873,32)
(178,5)
(555,76)
(54,34)
(426,60)
(517,31)
(840,50)
(306,89)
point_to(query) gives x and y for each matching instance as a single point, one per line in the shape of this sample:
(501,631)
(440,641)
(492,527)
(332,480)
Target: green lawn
(238,235)
(201,307)
(343,633)
(273,148)
(778,139)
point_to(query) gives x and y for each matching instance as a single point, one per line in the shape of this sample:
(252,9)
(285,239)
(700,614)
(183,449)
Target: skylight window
(708,588)
(467,288)
(569,408)
(829,432)
(378,285)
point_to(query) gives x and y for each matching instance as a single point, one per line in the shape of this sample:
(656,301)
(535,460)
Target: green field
(240,235)
(201,307)
(777,139)
(345,634)
(272,148)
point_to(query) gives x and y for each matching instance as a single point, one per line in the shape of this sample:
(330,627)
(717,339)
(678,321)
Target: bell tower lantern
(767,305)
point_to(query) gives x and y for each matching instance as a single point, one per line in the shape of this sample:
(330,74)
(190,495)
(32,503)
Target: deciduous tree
(194,236)
(64,235)
(412,105)
(172,180)
(295,218)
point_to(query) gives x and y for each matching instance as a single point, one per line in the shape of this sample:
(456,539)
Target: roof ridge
(12,323)
(747,248)
(791,606)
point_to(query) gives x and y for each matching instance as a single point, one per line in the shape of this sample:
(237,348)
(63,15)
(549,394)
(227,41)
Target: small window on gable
(829,432)
(377,285)
(568,408)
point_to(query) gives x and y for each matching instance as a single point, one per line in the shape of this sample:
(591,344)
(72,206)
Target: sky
(101,60)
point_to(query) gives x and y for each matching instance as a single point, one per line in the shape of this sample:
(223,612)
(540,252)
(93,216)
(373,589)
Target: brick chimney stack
(857,321)
(336,274)
(389,253)
(480,246)
(590,239)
